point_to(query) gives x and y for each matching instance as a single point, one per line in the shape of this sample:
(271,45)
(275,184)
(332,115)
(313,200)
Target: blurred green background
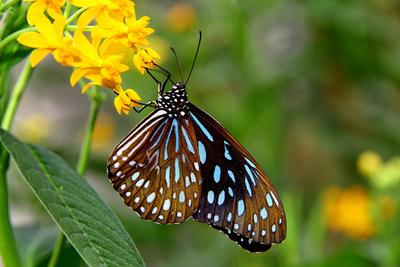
(311,88)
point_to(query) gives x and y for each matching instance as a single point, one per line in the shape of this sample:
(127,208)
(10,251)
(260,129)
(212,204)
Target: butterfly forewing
(155,169)
(237,197)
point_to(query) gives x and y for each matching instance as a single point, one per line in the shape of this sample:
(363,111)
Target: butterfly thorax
(174,101)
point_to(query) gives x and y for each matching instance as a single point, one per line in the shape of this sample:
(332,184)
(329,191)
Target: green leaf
(88,223)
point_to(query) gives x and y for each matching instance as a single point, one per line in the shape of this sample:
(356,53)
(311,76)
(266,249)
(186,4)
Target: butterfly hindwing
(237,197)
(156,171)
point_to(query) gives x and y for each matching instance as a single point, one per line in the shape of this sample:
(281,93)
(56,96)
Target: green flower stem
(75,15)
(67,9)
(8,246)
(5,6)
(95,102)
(11,38)
(57,250)
(16,96)
(75,28)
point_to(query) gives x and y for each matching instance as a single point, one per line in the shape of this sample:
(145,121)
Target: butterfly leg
(152,76)
(144,105)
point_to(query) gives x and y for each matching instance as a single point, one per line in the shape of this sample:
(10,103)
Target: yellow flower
(67,54)
(368,163)
(28,129)
(104,11)
(98,62)
(38,7)
(103,132)
(388,175)
(48,39)
(349,211)
(181,17)
(131,32)
(126,100)
(144,59)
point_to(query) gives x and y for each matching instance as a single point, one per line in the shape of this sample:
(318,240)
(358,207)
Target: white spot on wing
(167,204)
(151,197)
(182,197)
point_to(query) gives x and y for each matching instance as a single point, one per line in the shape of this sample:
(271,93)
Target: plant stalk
(95,101)
(8,246)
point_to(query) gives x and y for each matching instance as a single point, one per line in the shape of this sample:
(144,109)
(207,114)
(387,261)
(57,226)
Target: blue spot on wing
(167,176)
(175,125)
(217,173)
(226,154)
(248,187)
(202,151)
(166,144)
(161,129)
(240,207)
(230,173)
(205,131)
(177,171)
(189,144)
(250,163)
(250,173)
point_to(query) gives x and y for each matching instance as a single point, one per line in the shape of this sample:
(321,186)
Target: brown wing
(156,171)
(237,196)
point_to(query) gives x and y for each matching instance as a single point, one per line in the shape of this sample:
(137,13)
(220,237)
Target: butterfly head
(174,101)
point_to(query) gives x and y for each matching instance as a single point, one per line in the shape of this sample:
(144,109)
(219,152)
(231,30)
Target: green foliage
(87,222)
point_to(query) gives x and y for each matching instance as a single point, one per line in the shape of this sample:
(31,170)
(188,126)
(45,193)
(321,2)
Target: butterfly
(179,163)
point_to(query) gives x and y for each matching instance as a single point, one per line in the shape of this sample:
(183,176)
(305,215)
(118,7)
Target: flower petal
(76,75)
(118,104)
(133,96)
(86,17)
(38,55)
(44,26)
(85,46)
(33,39)
(88,86)
(35,10)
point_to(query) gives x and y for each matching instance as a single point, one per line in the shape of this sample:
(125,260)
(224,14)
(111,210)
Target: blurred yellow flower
(98,62)
(144,59)
(49,38)
(349,211)
(126,100)
(388,175)
(368,163)
(28,130)
(103,132)
(131,32)
(181,17)
(161,46)
(38,7)
(387,207)
(104,11)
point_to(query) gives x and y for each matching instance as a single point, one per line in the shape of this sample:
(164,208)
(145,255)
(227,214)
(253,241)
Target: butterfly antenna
(195,57)
(177,62)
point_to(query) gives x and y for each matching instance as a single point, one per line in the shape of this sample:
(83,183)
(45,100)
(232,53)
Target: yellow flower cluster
(349,211)
(96,57)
